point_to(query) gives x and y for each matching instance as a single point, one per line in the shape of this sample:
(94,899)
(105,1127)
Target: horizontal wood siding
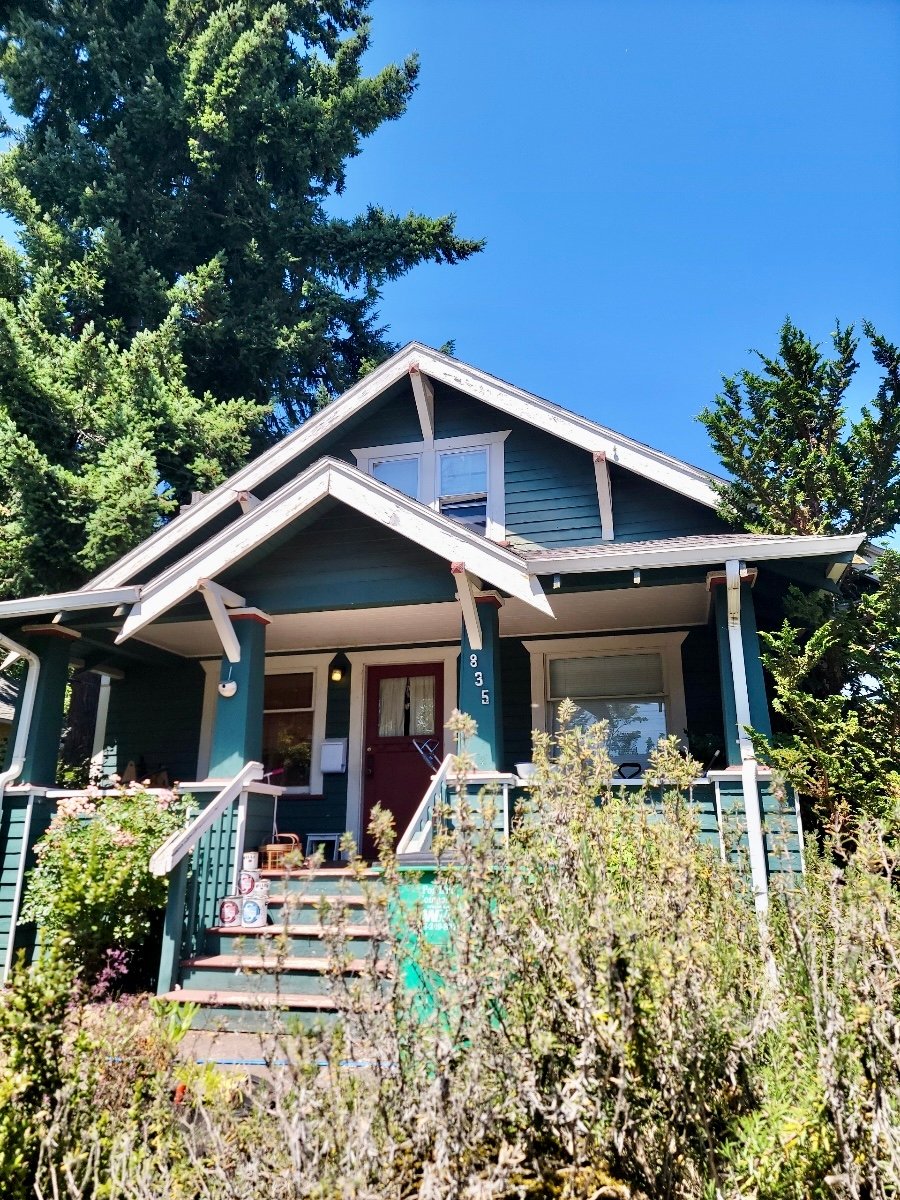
(341,560)
(12,825)
(703,696)
(518,719)
(154,714)
(643,509)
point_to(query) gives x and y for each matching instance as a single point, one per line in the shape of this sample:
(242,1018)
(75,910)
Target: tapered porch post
(52,644)
(479,686)
(238,728)
(744,704)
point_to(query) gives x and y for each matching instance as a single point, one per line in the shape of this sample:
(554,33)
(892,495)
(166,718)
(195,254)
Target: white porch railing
(179,844)
(418,835)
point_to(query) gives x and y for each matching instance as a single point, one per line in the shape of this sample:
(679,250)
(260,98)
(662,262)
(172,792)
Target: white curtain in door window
(391,701)
(421,704)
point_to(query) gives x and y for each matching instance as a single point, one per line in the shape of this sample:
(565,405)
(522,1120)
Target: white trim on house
(579,431)
(667,645)
(98,746)
(428,453)
(329,477)
(360,660)
(604,496)
(30,606)
(689,551)
(276,664)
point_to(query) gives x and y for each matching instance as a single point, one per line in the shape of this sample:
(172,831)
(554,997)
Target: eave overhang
(701,551)
(416,361)
(330,477)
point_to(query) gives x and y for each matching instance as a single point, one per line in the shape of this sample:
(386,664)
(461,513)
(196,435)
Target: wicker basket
(273,854)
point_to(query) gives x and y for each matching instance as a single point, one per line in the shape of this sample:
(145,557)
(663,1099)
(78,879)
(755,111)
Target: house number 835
(479,679)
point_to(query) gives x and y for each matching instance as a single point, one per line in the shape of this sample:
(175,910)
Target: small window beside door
(406,706)
(288,727)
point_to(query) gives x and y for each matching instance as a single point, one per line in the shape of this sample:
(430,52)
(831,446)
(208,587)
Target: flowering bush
(92,883)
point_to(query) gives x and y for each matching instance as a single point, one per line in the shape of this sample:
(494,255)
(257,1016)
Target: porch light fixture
(337,674)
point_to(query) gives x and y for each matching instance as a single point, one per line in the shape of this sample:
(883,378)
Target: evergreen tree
(783,436)
(797,466)
(182,294)
(185,153)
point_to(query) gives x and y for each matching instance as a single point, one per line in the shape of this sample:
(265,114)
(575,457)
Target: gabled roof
(330,477)
(625,452)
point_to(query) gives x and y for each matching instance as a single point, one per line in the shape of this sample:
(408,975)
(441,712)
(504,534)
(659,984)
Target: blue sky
(659,185)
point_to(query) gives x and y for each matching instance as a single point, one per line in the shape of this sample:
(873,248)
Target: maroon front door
(403,704)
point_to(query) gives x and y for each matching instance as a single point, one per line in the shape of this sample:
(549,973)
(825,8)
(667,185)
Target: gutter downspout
(758,870)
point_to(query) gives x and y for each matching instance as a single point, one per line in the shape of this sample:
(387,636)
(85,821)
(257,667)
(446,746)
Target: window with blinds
(625,690)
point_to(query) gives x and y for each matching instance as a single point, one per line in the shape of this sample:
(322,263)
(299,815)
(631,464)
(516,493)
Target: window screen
(625,690)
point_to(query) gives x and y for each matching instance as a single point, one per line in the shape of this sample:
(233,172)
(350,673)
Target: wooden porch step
(315,899)
(298,931)
(256,962)
(320,873)
(250,1000)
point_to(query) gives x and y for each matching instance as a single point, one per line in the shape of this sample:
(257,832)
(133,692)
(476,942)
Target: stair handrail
(179,844)
(424,814)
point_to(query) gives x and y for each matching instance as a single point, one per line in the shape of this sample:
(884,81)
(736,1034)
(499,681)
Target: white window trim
(282,664)
(429,467)
(667,645)
(360,660)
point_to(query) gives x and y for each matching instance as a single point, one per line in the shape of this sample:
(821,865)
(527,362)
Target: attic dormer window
(463,479)
(460,477)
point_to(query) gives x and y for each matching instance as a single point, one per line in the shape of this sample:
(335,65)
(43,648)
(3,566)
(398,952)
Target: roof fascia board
(329,477)
(280,455)
(68,602)
(630,555)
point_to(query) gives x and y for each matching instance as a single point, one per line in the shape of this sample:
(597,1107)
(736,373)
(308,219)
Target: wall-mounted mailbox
(333,756)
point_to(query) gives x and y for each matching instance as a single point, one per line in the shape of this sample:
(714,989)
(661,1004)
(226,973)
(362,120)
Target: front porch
(337,706)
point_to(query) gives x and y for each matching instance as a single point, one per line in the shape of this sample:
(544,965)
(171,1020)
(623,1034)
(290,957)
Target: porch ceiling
(667,607)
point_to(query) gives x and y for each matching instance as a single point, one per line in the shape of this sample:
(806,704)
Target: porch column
(479,686)
(756,688)
(238,727)
(52,644)
(736,625)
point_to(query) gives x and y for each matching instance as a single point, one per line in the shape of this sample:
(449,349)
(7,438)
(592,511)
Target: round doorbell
(227,688)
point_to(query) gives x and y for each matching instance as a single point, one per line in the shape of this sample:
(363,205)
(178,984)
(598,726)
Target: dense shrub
(92,888)
(597,1012)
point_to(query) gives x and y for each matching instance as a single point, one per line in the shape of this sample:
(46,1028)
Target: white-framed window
(634,682)
(295,698)
(460,477)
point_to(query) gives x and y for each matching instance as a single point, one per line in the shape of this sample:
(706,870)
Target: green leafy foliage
(185,154)
(92,889)
(796,466)
(183,294)
(591,1011)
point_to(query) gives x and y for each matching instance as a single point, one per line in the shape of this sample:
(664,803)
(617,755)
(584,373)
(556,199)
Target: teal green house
(290,646)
